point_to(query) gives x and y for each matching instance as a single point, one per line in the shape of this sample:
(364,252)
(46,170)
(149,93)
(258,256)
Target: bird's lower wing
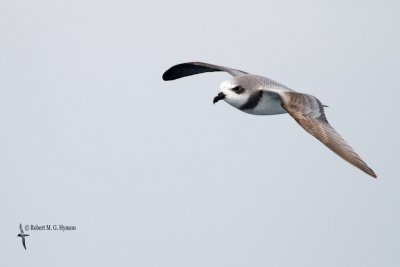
(309,114)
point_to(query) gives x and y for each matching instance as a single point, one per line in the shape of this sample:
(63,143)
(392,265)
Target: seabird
(22,235)
(259,95)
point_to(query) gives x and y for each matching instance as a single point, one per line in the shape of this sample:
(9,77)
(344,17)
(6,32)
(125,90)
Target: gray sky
(152,174)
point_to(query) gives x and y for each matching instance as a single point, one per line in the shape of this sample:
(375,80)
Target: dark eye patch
(238,89)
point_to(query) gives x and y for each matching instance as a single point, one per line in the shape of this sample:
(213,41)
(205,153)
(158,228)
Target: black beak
(219,97)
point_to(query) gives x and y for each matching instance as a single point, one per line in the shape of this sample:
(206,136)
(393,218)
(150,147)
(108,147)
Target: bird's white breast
(268,105)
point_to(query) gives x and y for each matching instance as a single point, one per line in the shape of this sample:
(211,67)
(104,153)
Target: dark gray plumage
(192,68)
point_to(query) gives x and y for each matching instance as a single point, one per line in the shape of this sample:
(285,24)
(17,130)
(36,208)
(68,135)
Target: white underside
(267,106)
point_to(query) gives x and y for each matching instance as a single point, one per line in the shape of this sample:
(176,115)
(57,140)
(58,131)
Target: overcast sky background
(151,173)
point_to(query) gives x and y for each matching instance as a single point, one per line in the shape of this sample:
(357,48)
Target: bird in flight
(22,235)
(259,95)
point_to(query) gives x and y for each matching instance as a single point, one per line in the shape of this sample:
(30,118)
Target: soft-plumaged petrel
(261,96)
(22,235)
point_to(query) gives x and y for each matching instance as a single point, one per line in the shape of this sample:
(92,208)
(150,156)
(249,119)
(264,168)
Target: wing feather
(309,114)
(192,68)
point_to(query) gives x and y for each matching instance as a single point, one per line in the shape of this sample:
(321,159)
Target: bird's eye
(238,89)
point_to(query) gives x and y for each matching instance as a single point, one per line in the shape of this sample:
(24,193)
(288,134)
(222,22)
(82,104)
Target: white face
(235,93)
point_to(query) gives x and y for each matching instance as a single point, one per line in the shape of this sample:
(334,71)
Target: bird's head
(235,91)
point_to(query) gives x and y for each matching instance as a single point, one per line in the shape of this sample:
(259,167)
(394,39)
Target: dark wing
(20,228)
(309,113)
(192,68)
(23,242)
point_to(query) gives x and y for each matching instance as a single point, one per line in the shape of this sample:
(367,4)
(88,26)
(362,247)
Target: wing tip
(369,171)
(373,174)
(167,76)
(189,68)
(174,72)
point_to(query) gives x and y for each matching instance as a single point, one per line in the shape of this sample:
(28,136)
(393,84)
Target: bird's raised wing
(192,68)
(309,113)
(20,228)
